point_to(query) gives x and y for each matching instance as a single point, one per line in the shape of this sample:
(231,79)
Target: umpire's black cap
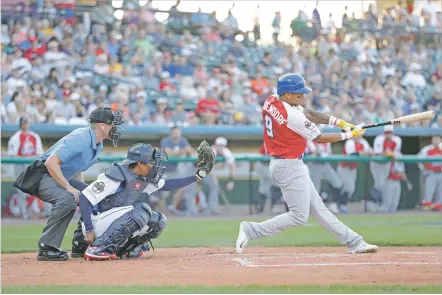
(101,115)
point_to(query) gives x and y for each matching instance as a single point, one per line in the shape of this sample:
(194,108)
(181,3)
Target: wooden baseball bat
(405,119)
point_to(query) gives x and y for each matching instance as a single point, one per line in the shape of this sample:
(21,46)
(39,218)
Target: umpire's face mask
(116,130)
(156,171)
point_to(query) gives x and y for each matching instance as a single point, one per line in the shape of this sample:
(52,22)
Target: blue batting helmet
(292,83)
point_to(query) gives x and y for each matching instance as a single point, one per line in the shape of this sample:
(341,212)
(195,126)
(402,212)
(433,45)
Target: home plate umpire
(57,177)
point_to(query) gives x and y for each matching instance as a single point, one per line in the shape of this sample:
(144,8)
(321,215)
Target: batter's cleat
(361,246)
(49,253)
(97,253)
(242,240)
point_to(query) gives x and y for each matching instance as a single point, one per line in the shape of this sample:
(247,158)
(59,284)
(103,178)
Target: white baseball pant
(380,172)
(391,195)
(320,171)
(433,187)
(265,180)
(103,220)
(348,178)
(292,176)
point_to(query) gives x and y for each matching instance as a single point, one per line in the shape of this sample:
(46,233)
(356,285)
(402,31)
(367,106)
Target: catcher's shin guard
(156,224)
(123,228)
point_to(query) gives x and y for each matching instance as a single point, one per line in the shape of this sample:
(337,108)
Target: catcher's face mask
(116,129)
(157,170)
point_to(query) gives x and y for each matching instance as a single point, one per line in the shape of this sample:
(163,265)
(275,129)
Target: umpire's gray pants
(63,209)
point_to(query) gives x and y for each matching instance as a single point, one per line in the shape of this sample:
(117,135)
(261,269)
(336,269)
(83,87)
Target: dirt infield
(221,267)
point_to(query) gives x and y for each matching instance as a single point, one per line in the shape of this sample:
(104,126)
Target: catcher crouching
(113,225)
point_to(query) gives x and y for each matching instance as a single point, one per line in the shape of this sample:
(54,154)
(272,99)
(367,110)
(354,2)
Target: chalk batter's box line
(247,263)
(312,255)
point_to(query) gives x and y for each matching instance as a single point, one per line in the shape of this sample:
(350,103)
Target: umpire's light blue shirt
(77,151)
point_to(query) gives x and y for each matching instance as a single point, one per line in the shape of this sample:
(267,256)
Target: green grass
(370,289)
(393,230)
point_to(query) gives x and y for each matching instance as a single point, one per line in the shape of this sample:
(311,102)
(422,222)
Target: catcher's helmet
(292,83)
(145,153)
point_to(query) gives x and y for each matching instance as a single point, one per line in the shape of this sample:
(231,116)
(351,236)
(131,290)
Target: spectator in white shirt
(414,78)
(430,8)
(15,82)
(53,55)
(387,68)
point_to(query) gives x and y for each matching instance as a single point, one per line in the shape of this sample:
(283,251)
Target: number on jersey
(269,125)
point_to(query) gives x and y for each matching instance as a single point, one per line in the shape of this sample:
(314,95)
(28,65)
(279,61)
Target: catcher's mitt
(206,160)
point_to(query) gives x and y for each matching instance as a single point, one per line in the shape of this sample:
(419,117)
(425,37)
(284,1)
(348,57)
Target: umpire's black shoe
(49,253)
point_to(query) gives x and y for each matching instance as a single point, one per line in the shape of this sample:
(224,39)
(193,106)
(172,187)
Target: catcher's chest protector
(129,191)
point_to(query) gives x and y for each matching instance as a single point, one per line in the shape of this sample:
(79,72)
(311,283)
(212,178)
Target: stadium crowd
(57,67)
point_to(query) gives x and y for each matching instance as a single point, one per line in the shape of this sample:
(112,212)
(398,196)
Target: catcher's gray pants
(320,171)
(433,187)
(380,172)
(302,199)
(348,178)
(63,209)
(391,195)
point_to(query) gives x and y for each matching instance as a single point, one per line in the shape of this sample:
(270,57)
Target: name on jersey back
(274,112)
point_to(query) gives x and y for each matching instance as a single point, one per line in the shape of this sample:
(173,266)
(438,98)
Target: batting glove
(341,124)
(357,132)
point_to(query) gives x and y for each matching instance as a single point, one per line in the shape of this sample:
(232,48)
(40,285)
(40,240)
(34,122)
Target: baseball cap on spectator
(161,100)
(75,96)
(142,94)
(388,128)
(415,67)
(165,75)
(222,141)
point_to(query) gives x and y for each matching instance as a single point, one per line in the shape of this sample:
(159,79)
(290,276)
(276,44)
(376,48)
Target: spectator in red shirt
(209,104)
(165,84)
(35,50)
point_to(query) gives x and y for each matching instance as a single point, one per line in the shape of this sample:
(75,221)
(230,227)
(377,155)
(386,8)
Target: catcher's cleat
(97,253)
(134,254)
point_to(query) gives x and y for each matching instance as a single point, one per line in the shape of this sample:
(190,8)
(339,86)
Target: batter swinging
(287,127)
